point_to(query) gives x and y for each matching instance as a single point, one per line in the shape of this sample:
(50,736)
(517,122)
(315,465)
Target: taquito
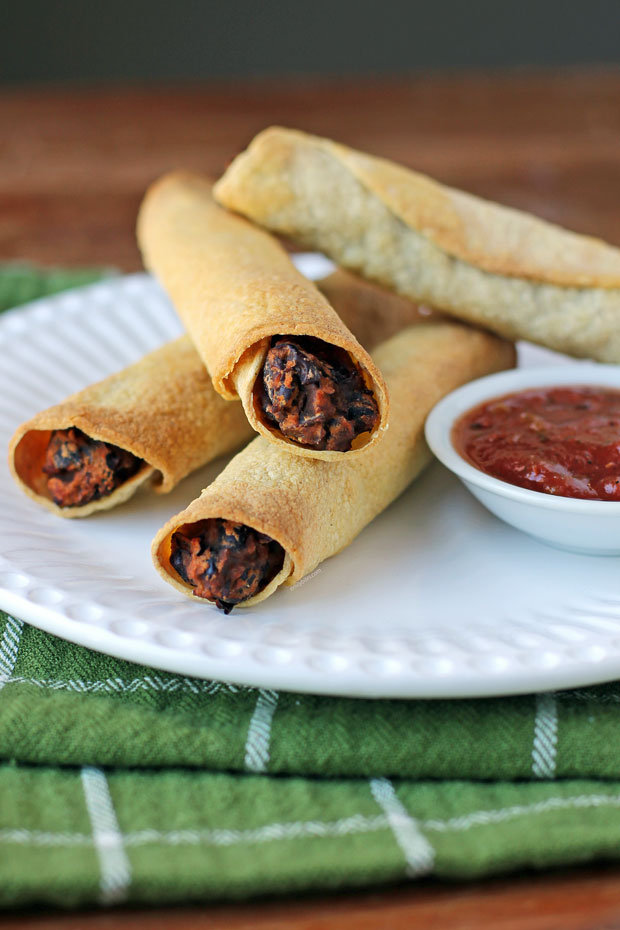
(270,518)
(155,421)
(493,266)
(265,333)
(160,418)
(372,313)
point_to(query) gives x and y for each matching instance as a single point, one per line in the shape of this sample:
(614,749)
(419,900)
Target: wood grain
(569,900)
(73,166)
(74,163)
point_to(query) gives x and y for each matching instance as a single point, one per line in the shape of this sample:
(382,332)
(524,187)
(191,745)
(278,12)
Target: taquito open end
(238,292)
(99,477)
(289,389)
(227,562)
(160,419)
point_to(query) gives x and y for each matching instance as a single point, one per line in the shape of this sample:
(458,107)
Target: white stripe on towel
(544,748)
(107,837)
(9,646)
(258,742)
(419,854)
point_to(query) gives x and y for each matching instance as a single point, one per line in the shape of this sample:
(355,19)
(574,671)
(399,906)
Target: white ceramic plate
(436,598)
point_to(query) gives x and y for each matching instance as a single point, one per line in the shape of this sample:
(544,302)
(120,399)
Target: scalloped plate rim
(115,631)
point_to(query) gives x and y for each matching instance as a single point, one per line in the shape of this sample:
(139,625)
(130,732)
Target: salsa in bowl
(540,448)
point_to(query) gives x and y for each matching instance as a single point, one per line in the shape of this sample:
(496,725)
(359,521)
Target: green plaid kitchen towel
(121,783)
(21,282)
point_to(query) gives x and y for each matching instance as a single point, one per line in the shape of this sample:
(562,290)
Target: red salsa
(561,440)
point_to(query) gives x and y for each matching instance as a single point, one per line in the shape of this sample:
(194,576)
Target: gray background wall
(68,40)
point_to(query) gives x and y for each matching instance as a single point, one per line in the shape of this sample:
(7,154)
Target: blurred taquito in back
(479,261)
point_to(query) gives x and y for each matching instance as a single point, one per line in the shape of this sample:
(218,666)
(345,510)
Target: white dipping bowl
(584,526)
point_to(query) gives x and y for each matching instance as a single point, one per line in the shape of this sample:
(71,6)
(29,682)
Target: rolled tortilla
(493,266)
(312,509)
(236,291)
(165,411)
(372,313)
(162,409)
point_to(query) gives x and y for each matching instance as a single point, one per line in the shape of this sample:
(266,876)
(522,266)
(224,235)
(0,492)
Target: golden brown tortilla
(235,288)
(163,409)
(372,313)
(315,508)
(487,264)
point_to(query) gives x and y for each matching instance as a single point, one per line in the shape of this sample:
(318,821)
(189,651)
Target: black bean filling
(225,562)
(315,394)
(82,469)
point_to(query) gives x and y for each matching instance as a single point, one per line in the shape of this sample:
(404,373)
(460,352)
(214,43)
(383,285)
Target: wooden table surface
(73,166)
